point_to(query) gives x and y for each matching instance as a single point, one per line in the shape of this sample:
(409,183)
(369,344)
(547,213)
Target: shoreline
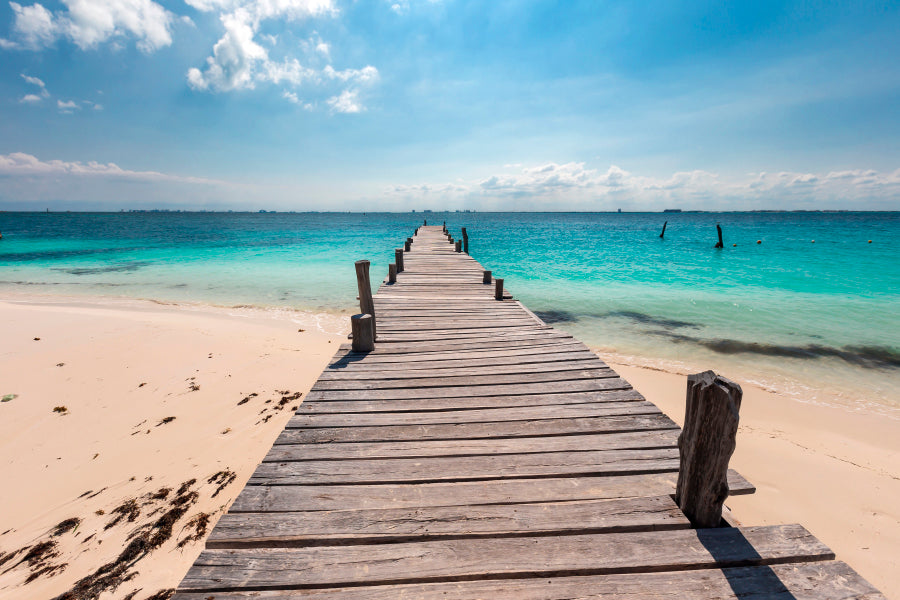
(833,470)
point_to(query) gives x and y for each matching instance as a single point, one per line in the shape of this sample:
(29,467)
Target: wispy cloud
(31,99)
(67,107)
(26,165)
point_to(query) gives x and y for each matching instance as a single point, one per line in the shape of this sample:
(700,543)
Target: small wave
(119,268)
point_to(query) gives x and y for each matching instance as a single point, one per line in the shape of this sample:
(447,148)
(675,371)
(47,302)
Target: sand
(832,469)
(119,405)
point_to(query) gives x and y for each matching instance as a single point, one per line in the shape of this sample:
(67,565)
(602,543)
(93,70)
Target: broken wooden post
(392,273)
(719,229)
(465,240)
(459,245)
(705,446)
(663,234)
(366,304)
(398,258)
(362,329)
(487,277)
(498,289)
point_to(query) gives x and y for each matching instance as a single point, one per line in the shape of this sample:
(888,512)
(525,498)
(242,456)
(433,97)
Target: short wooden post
(487,277)
(366,304)
(458,245)
(398,258)
(705,446)
(407,244)
(392,273)
(362,329)
(465,240)
(498,289)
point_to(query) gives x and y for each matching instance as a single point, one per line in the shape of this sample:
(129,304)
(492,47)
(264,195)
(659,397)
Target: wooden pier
(479,453)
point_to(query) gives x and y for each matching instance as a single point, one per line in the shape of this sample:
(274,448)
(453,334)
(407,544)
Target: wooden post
(719,230)
(407,244)
(362,329)
(398,258)
(498,289)
(392,273)
(458,245)
(465,240)
(487,277)
(366,304)
(705,445)
(663,234)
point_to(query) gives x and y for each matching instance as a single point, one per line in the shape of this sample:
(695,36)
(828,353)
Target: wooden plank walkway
(476,453)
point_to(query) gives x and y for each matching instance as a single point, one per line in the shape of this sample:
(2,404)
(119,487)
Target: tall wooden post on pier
(465,240)
(398,258)
(392,273)
(366,304)
(705,446)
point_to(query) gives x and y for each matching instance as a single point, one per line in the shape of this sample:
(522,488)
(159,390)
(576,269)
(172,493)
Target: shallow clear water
(818,320)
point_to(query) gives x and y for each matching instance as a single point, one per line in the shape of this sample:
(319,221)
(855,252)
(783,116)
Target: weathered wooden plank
(400,359)
(304,528)
(319,403)
(464,468)
(477,415)
(279,498)
(348,383)
(478,558)
(487,430)
(441,372)
(662,438)
(827,580)
(550,387)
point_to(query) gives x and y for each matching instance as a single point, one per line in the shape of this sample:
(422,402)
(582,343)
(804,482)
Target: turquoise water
(814,319)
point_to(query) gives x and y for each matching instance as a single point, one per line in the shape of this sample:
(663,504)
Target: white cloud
(346,102)
(21,164)
(239,60)
(67,107)
(88,23)
(573,186)
(30,99)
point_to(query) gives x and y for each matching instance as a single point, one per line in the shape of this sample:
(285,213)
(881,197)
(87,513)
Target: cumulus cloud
(30,99)
(88,23)
(577,187)
(67,107)
(240,59)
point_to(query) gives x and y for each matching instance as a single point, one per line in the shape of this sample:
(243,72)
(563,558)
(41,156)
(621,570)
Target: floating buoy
(814,241)
(734,245)
(759,241)
(870,241)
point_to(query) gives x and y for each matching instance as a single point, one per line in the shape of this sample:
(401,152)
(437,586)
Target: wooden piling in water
(719,244)
(498,289)
(362,329)
(663,234)
(705,446)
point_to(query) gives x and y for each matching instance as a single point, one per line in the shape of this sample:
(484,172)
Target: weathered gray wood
(498,288)
(477,430)
(398,258)
(547,556)
(827,580)
(657,438)
(280,498)
(458,245)
(706,445)
(392,273)
(362,328)
(348,383)
(366,303)
(305,528)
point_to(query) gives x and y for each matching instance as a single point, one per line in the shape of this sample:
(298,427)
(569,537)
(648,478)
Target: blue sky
(494,105)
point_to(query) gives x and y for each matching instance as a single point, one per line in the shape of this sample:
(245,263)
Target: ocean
(805,304)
